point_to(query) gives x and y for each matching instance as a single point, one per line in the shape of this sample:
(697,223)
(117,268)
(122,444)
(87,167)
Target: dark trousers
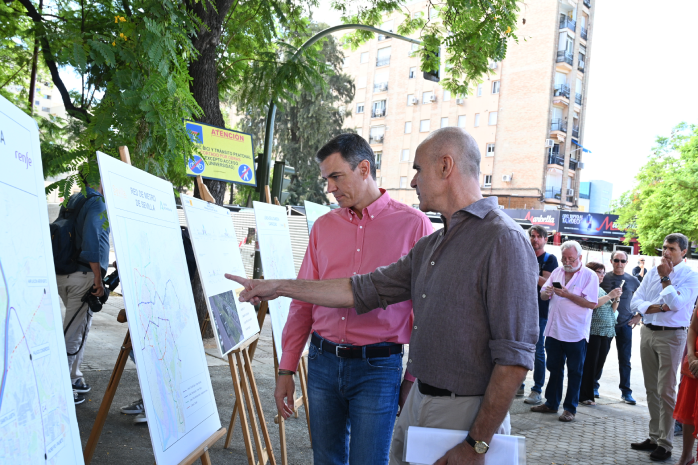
(557,353)
(597,350)
(624,346)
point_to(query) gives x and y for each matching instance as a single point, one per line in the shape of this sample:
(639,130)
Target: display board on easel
(216,250)
(170,359)
(37,412)
(313,211)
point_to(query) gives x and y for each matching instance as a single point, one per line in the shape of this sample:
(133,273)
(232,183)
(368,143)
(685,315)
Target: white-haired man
(573,290)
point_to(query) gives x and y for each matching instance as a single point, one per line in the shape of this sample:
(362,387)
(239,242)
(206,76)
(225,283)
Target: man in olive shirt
(475,329)
(625,322)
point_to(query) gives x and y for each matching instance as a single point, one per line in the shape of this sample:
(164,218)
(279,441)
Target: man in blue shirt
(547,263)
(92,240)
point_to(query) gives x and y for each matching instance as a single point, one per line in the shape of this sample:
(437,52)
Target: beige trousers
(71,288)
(661,352)
(436,412)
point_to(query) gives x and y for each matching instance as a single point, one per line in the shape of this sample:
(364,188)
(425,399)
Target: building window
(428,97)
(383,58)
(433,13)
(447,95)
(405,155)
(359,107)
(488,180)
(345,64)
(364,57)
(387,26)
(36,102)
(444,122)
(379,157)
(493,118)
(479,90)
(378,110)
(46,109)
(424,125)
(477,119)
(411,100)
(361,82)
(414,48)
(380,81)
(377,134)
(461,121)
(48,97)
(403,182)
(490,150)
(408,127)
(495,87)
(413,72)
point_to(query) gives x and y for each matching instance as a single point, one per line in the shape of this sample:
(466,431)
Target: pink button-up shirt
(567,321)
(342,245)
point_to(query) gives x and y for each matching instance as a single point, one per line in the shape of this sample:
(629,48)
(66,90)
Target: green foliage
(665,197)
(307,121)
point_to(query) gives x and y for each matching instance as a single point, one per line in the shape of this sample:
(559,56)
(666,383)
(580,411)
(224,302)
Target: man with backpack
(80,243)
(547,263)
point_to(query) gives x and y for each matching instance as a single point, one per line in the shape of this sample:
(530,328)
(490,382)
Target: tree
(306,121)
(665,197)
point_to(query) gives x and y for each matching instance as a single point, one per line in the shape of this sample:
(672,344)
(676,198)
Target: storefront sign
(590,224)
(546,218)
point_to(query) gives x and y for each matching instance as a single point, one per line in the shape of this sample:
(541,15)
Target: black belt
(344,351)
(429,390)
(663,328)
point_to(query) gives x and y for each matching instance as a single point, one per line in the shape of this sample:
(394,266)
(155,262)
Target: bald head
(457,143)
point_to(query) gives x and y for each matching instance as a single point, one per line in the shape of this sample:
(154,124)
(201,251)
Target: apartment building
(527,114)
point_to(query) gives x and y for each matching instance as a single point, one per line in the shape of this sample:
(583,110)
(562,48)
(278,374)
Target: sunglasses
(618,260)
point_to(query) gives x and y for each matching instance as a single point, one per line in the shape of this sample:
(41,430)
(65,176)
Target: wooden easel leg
(206,459)
(303,377)
(261,453)
(107,399)
(234,414)
(279,417)
(261,316)
(243,416)
(260,413)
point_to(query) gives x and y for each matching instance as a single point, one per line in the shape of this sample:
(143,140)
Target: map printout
(313,211)
(277,260)
(216,249)
(37,410)
(170,358)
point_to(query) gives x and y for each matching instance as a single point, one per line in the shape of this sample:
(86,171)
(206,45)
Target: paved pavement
(599,435)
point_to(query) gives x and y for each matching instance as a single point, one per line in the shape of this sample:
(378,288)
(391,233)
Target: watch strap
(474,444)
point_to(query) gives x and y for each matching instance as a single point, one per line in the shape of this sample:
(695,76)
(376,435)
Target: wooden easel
(201,452)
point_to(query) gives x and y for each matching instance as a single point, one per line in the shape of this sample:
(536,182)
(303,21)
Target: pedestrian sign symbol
(245,173)
(197,164)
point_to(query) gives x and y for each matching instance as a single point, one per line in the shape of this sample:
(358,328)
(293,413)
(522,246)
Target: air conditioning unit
(492,65)
(570,192)
(507,177)
(413,101)
(549,143)
(460,101)
(379,138)
(580,165)
(380,112)
(384,87)
(432,99)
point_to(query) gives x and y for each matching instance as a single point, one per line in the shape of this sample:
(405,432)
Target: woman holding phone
(603,330)
(686,410)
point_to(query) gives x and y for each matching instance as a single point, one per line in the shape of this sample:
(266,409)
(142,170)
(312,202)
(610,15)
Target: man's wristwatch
(480,446)
(665,279)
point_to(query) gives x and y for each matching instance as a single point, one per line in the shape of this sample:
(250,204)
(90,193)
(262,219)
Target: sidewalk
(600,435)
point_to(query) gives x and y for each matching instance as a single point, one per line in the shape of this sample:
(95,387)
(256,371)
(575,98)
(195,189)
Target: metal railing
(562,90)
(575,132)
(558,124)
(583,33)
(552,193)
(377,113)
(380,87)
(578,99)
(556,159)
(566,22)
(382,61)
(375,139)
(573,164)
(580,65)
(565,56)
(587,3)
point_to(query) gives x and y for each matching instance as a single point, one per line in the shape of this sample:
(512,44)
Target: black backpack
(63,237)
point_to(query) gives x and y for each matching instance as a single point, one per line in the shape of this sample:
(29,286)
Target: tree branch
(71,109)
(13,76)
(127,8)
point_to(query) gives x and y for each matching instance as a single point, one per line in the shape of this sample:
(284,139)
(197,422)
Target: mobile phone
(557,285)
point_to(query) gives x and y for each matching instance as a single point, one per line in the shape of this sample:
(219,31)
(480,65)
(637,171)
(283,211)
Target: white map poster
(313,211)
(277,260)
(37,411)
(167,346)
(216,250)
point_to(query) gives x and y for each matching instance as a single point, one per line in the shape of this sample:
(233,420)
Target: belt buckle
(337,347)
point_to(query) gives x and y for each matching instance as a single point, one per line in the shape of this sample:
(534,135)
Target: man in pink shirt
(355,361)
(573,291)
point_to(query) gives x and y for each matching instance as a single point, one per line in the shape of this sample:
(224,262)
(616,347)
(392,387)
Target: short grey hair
(615,252)
(677,238)
(570,244)
(461,145)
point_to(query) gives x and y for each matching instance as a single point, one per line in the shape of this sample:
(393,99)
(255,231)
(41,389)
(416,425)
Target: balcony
(578,99)
(380,87)
(574,164)
(567,22)
(587,3)
(562,90)
(558,124)
(583,33)
(580,65)
(563,56)
(552,193)
(375,139)
(575,132)
(556,158)
(378,113)
(382,61)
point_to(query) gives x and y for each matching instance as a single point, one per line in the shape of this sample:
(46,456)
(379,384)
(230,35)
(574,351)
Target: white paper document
(424,446)
(216,250)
